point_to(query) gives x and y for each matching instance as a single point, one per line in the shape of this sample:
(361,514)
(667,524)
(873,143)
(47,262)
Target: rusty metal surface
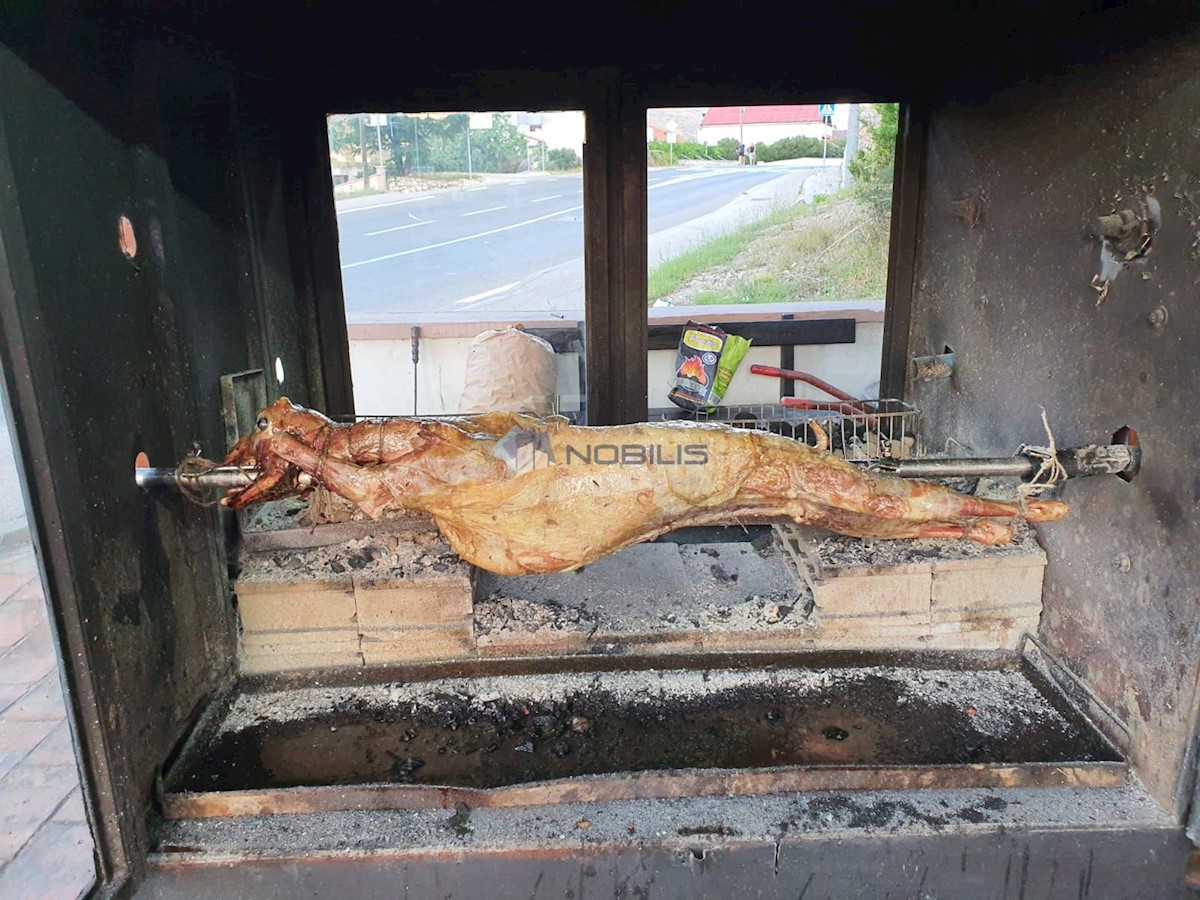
(942,843)
(1033,866)
(946,844)
(641,786)
(1014,297)
(114,338)
(243,395)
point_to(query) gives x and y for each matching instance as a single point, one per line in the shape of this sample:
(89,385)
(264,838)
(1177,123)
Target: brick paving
(45,844)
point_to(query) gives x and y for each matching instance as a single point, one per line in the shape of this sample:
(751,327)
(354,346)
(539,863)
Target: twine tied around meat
(1049,474)
(186,476)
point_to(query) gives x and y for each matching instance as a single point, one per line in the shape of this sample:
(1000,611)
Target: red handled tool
(851,405)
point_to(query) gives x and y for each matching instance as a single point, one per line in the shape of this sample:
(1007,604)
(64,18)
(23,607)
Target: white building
(765,124)
(556,129)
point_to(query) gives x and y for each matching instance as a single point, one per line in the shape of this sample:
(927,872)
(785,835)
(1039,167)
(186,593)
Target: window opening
(451,225)
(772,222)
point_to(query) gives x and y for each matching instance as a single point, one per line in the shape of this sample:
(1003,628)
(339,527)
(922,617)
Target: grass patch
(674,273)
(835,249)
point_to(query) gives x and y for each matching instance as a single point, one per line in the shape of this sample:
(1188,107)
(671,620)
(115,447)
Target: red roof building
(761,124)
(761,115)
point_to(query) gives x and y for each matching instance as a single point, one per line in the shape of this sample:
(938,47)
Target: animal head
(276,478)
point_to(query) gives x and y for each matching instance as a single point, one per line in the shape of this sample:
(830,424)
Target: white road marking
(480,212)
(473,190)
(679,179)
(460,240)
(398,228)
(544,199)
(344,212)
(485,294)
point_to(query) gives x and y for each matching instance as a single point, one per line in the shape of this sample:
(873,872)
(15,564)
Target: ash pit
(491,732)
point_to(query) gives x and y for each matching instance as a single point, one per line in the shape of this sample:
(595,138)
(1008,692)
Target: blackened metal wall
(1013,296)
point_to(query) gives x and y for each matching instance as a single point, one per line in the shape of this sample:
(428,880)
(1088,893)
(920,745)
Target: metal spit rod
(1121,460)
(219,478)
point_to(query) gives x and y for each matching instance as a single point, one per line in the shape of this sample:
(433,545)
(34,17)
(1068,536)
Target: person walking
(753,152)
(741,154)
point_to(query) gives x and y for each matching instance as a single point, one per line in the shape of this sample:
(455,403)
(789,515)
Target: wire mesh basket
(872,429)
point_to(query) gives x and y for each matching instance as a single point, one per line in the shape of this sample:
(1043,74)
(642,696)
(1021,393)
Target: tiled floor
(45,844)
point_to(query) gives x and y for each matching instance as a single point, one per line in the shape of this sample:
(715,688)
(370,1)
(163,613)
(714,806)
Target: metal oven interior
(637,742)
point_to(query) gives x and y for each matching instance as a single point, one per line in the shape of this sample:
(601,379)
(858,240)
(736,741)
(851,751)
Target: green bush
(798,148)
(876,162)
(683,150)
(726,149)
(561,159)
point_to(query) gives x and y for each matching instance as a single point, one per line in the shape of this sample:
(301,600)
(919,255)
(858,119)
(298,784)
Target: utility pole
(416,148)
(469,170)
(851,144)
(362,141)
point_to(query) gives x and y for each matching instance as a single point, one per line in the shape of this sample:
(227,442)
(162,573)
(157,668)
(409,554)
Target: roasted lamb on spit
(515,494)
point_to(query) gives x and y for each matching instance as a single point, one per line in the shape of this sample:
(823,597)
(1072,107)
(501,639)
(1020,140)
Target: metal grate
(882,429)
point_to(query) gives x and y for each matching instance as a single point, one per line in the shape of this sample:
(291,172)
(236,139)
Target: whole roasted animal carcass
(515,494)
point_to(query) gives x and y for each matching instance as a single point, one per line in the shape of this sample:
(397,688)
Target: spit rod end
(150,477)
(1129,438)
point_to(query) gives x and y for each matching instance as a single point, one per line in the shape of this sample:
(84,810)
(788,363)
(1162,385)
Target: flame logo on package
(693,368)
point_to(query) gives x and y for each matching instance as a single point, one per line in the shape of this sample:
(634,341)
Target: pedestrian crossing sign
(825,109)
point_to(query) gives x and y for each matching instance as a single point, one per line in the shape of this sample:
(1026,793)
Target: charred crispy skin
(606,488)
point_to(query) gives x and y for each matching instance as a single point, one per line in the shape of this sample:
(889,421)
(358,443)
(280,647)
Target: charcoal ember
(402,769)
(547,726)
(722,574)
(560,748)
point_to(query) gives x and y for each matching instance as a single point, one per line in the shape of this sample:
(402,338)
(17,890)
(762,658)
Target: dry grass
(835,249)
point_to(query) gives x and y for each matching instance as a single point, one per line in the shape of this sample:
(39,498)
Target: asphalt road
(505,244)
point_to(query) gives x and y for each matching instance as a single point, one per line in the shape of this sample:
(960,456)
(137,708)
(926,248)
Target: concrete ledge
(434,325)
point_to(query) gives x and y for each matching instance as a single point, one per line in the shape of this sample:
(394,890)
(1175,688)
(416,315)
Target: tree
(874,166)
(500,148)
(727,148)
(876,162)
(560,159)
(436,145)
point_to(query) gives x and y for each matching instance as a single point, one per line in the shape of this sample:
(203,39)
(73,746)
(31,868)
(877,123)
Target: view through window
(452,224)
(771,214)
